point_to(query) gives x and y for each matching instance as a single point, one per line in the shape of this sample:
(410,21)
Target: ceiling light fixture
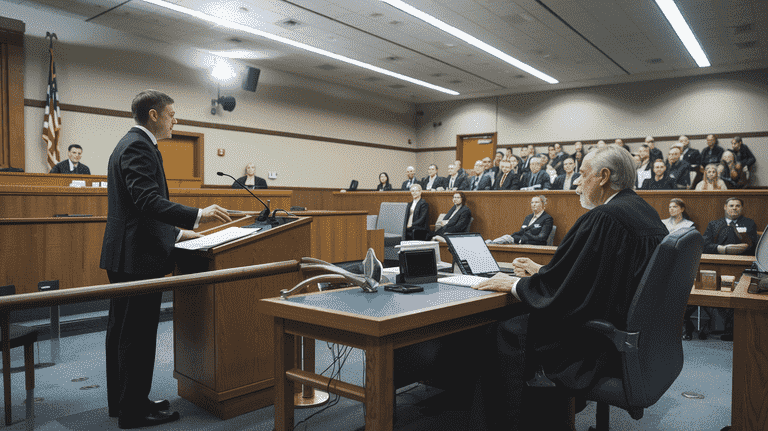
(675,18)
(235,26)
(477,43)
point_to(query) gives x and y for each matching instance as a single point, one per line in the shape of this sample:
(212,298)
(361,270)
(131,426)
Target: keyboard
(218,238)
(462,280)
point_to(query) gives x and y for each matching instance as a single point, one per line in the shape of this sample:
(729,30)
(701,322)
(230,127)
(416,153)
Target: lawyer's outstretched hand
(214,213)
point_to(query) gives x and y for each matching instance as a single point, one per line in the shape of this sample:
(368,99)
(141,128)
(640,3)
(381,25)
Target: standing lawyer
(138,240)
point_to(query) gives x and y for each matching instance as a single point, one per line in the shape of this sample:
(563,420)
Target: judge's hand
(213,213)
(733,248)
(189,234)
(525,267)
(500,282)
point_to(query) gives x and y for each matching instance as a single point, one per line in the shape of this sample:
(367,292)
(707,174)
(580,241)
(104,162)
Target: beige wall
(717,104)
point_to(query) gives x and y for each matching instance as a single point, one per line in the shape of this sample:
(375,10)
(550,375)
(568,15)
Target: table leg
(379,384)
(5,327)
(284,361)
(749,399)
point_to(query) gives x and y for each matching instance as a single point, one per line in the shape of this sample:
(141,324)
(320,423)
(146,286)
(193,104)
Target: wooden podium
(224,348)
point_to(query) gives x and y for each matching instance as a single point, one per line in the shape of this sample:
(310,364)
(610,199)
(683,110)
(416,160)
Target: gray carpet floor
(68,405)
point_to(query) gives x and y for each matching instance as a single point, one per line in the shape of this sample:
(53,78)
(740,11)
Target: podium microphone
(265,213)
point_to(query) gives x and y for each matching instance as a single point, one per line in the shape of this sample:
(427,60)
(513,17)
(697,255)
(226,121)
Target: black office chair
(27,337)
(352,186)
(651,348)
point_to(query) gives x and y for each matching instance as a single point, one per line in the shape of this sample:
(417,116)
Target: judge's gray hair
(618,161)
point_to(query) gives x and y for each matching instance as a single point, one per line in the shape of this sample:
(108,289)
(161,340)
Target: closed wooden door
(178,156)
(474,148)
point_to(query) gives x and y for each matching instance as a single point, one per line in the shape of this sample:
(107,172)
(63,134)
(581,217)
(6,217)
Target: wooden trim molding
(12,93)
(229,127)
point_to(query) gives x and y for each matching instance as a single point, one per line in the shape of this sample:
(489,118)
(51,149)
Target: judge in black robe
(593,275)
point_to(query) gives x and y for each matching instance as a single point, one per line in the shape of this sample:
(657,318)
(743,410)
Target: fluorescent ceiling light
(683,31)
(477,43)
(241,54)
(234,26)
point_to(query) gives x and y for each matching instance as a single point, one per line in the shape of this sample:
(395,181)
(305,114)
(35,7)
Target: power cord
(340,354)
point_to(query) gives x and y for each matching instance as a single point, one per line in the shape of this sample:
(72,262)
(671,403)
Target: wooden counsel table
(378,323)
(749,390)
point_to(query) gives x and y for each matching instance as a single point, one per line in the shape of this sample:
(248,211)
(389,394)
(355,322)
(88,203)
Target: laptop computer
(471,255)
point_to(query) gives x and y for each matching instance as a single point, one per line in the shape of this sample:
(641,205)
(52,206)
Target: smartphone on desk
(404,288)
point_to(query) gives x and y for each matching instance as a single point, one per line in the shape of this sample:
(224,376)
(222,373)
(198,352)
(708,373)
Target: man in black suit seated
(713,153)
(536,179)
(72,165)
(690,155)
(593,275)
(496,162)
(535,229)
(678,169)
(416,214)
(506,179)
(525,159)
(479,181)
(653,152)
(733,234)
(566,181)
(455,180)
(742,154)
(433,181)
(138,243)
(410,172)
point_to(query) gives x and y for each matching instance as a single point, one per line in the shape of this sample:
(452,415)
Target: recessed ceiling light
(327,67)
(376,15)
(395,22)
(437,75)
(397,86)
(234,40)
(654,61)
(456,81)
(250,30)
(393,58)
(675,18)
(429,19)
(372,79)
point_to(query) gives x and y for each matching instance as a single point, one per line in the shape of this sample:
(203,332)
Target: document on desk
(218,238)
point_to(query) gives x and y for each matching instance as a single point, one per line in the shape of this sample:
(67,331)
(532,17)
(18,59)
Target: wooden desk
(749,390)
(378,323)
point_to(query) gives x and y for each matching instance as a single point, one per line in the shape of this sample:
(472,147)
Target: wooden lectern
(224,348)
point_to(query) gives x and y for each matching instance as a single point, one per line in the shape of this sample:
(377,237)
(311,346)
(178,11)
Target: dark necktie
(503,177)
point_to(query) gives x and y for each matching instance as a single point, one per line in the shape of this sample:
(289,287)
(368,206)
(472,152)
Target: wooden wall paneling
(338,236)
(12,93)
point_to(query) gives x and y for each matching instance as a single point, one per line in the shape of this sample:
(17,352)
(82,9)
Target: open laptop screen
(471,248)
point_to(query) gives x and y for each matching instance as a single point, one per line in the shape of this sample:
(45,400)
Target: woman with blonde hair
(711,179)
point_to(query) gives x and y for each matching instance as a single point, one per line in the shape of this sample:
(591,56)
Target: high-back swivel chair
(391,218)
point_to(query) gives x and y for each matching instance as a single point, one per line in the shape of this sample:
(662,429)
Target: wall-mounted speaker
(251,79)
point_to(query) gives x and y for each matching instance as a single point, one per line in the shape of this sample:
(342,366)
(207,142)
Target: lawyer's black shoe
(727,337)
(153,407)
(150,420)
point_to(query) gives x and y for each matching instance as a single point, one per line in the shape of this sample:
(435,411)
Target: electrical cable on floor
(339,355)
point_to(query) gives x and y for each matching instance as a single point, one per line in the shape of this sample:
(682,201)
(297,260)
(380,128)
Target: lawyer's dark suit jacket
(560,182)
(536,233)
(258,183)
(141,222)
(512,182)
(718,233)
(540,179)
(405,185)
(457,223)
(419,226)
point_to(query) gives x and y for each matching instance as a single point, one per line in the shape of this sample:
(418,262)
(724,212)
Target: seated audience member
(496,161)
(578,285)
(733,234)
(536,179)
(712,180)
(644,168)
(742,154)
(678,169)
(433,181)
(732,176)
(410,173)
(678,217)
(416,216)
(713,153)
(578,156)
(660,180)
(690,155)
(480,181)
(250,180)
(516,163)
(384,184)
(488,169)
(455,180)
(578,147)
(636,158)
(525,160)
(566,181)
(456,219)
(559,157)
(653,152)
(536,226)
(620,143)
(459,169)
(555,159)
(506,179)
(72,165)
(508,153)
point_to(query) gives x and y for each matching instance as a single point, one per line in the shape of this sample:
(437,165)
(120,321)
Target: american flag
(52,120)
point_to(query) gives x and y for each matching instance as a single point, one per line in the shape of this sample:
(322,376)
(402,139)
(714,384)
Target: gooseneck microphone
(265,213)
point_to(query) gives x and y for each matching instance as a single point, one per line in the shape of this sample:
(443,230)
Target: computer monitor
(761,252)
(471,254)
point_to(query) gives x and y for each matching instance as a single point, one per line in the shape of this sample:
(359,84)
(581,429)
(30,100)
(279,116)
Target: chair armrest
(622,340)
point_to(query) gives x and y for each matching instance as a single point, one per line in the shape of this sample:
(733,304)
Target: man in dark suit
(433,181)
(506,179)
(734,234)
(72,165)
(536,226)
(536,179)
(410,172)
(138,242)
(480,181)
(566,181)
(416,216)
(678,169)
(525,159)
(690,155)
(456,180)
